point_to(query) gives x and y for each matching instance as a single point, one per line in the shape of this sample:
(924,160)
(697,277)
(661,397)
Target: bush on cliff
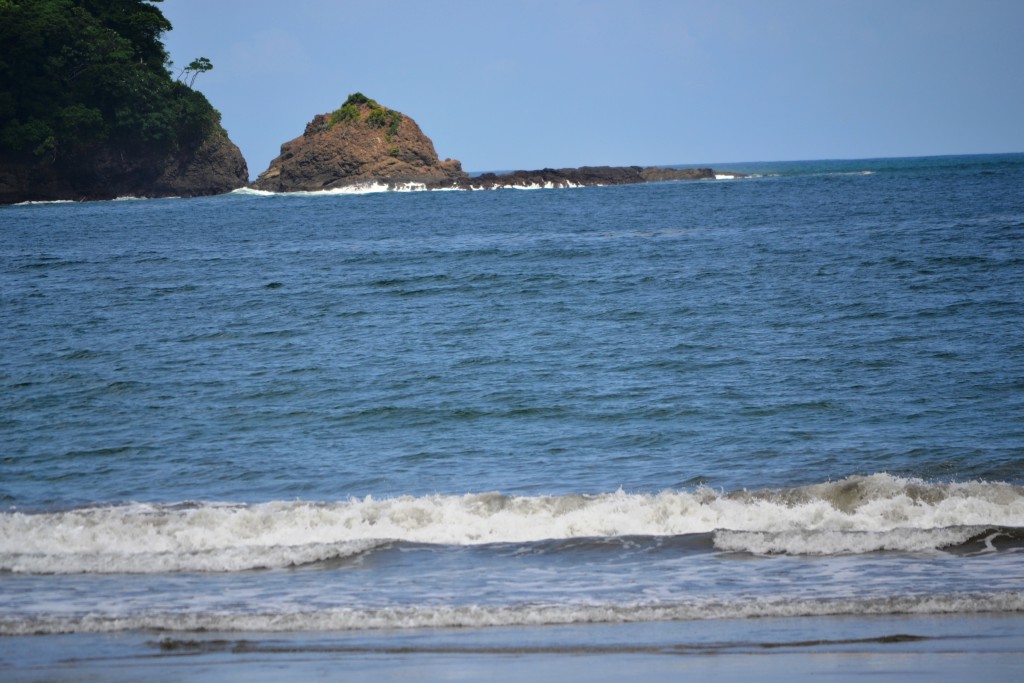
(357,99)
(347,113)
(379,117)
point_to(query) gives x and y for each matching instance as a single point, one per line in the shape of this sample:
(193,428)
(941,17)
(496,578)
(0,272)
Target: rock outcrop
(214,166)
(581,177)
(361,143)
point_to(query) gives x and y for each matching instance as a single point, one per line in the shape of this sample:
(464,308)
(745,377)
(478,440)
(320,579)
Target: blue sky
(504,85)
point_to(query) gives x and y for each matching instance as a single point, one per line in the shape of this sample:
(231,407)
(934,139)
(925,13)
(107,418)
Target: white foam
(371,188)
(213,560)
(211,537)
(124,198)
(803,542)
(549,185)
(365,188)
(477,616)
(253,192)
(52,201)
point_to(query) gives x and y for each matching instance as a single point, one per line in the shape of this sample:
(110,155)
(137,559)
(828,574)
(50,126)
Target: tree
(139,22)
(197,66)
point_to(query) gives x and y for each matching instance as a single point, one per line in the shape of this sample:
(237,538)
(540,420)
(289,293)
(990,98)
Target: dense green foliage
(347,113)
(379,116)
(358,98)
(80,75)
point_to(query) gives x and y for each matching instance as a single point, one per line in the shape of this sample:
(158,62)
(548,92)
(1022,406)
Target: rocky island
(365,144)
(360,143)
(90,110)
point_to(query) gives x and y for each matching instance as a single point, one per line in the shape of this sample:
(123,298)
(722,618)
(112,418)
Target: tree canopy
(78,75)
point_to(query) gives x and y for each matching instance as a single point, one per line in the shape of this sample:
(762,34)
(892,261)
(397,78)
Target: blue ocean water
(795,393)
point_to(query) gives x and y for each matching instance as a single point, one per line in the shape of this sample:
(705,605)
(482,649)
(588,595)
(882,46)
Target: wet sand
(943,648)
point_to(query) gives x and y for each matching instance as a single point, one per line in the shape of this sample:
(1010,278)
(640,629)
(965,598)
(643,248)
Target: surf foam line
(475,616)
(366,188)
(858,514)
(373,188)
(967,540)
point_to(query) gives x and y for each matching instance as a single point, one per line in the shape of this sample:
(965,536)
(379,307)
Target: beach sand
(932,648)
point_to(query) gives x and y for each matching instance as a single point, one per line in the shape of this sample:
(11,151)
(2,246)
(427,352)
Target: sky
(529,84)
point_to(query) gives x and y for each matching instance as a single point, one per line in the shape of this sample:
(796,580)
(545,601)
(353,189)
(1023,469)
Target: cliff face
(214,166)
(217,166)
(361,143)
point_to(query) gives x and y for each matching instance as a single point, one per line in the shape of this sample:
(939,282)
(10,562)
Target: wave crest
(858,514)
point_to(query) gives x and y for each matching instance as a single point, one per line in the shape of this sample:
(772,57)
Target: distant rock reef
(581,177)
(365,144)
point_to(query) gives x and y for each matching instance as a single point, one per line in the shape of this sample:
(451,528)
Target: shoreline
(944,648)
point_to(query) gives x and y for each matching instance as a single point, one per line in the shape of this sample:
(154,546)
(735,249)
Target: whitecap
(364,188)
(889,511)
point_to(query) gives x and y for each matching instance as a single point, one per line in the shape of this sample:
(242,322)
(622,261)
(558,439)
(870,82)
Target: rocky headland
(365,144)
(89,108)
(213,166)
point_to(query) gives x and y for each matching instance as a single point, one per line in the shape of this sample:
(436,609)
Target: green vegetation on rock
(379,117)
(357,98)
(81,76)
(347,113)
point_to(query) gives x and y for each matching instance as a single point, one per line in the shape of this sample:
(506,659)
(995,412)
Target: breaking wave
(365,188)
(374,188)
(854,515)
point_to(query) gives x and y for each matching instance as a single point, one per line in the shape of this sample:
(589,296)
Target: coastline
(942,648)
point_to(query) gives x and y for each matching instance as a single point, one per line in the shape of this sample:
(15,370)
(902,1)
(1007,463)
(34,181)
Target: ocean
(792,395)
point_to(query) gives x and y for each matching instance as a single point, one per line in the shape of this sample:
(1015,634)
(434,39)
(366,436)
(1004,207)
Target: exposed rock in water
(581,177)
(217,166)
(214,166)
(361,143)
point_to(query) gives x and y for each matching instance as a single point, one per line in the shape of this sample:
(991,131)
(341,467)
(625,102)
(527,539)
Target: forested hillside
(86,88)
